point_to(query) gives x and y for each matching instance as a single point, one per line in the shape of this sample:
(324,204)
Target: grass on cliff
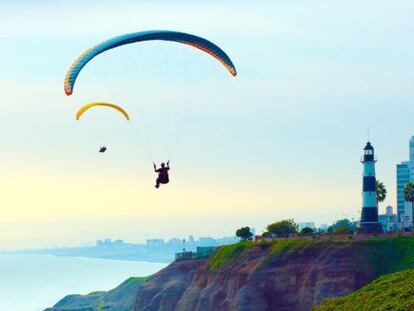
(390,292)
(120,298)
(388,255)
(382,255)
(228,253)
(131,280)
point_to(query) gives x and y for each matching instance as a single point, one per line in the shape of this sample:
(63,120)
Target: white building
(389,220)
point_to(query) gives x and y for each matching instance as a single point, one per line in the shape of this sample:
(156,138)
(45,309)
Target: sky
(281,140)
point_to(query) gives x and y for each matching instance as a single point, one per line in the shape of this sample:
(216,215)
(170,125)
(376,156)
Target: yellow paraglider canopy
(90,105)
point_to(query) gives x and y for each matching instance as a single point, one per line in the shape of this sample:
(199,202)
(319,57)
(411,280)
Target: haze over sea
(35,282)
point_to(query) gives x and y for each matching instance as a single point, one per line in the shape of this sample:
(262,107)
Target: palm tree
(381,191)
(409,196)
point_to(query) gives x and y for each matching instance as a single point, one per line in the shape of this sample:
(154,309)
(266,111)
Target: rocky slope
(278,275)
(121,298)
(282,275)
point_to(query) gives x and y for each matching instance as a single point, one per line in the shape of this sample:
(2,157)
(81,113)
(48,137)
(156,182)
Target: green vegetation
(390,292)
(409,195)
(98,292)
(283,228)
(307,231)
(226,254)
(342,226)
(388,255)
(381,191)
(287,247)
(381,255)
(100,306)
(244,233)
(136,279)
(119,298)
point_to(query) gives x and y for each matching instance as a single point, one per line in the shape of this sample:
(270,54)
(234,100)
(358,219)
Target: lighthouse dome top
(368,153)
(368,146)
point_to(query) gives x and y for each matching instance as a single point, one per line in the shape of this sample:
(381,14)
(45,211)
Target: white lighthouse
(369,215)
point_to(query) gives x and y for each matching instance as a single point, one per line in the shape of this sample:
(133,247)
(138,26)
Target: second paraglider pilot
(102,149)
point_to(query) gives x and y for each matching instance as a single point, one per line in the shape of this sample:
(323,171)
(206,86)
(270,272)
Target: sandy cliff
(284,275)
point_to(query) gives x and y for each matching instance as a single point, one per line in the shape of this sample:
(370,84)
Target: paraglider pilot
(162,174)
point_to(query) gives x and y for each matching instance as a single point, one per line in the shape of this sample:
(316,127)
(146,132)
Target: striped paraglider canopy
(163,35)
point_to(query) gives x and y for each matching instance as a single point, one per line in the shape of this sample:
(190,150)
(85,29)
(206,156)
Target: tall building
(369,215)
(405,173)
(412,149)
(403,177)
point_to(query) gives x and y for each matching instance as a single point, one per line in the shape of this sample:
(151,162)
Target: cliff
(280,275)
(277,275)
(121,298)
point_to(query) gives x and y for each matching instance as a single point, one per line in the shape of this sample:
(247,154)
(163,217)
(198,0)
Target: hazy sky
(282,139)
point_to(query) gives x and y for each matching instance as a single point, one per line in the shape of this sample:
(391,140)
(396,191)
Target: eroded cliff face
(293,276)
(277,275)
(121,298)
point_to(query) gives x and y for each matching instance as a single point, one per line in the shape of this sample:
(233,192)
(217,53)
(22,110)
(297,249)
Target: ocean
(35,282)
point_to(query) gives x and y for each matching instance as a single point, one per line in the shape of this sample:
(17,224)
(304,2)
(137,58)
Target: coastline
(36,282)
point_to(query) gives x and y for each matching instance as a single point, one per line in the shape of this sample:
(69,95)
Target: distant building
(175,242)
(155,242)
(389,220)
(306,225)
(109,243)
(185,256)
(202,252)
(205,251)
(104,242)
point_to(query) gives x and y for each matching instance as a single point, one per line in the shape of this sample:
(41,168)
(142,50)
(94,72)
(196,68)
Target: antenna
(368,132)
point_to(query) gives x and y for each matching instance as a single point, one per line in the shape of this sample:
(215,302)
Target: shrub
(283,227)
(244,233)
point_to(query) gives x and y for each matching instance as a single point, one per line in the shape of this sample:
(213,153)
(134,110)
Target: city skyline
(281,140)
